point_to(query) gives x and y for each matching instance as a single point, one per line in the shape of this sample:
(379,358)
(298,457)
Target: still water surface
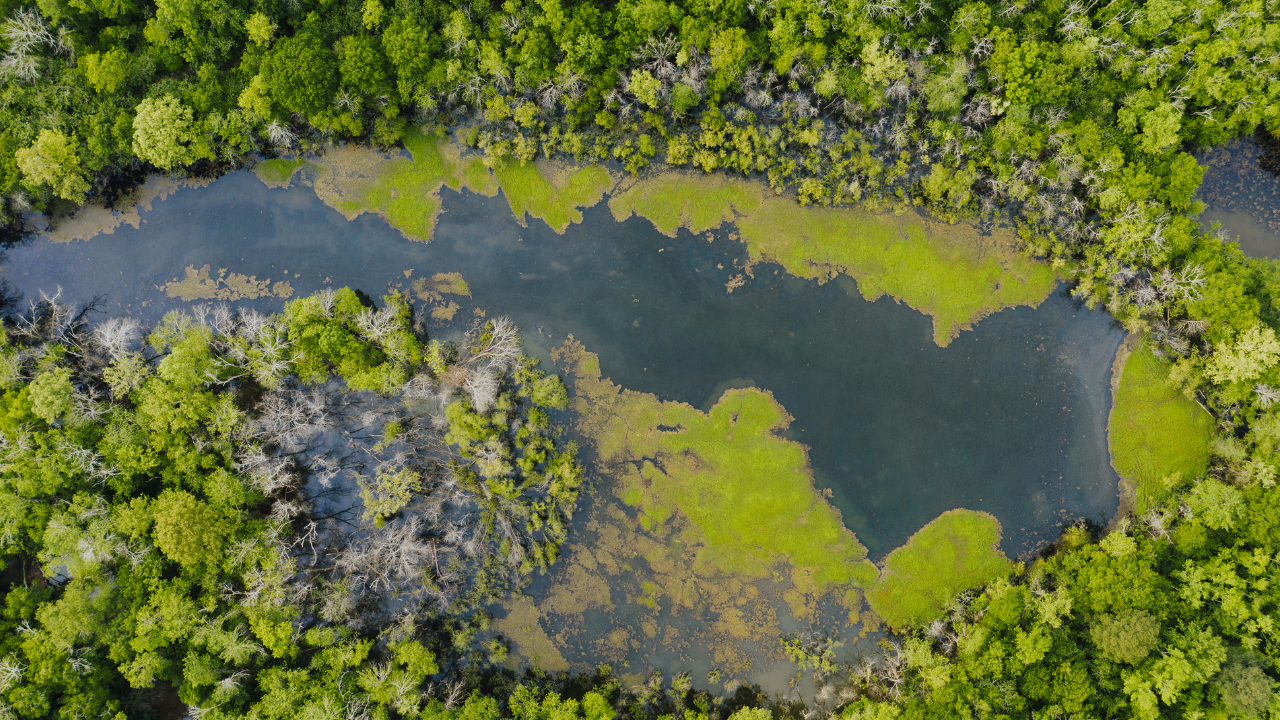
(1010,418)
(1242,196)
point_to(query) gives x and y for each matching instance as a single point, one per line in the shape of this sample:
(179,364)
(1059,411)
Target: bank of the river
(1126,488)
(955,273)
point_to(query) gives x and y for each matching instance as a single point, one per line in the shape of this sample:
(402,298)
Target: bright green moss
(1159,437)
(955,552)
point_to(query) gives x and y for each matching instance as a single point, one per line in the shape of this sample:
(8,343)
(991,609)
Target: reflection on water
(1010,418)
(1242,196)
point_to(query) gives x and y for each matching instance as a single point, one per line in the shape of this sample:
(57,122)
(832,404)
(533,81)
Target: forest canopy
(179,507)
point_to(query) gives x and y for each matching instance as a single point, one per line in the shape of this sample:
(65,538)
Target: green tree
(107,72)
(683,99)
(371,14)
(947,87)
(1160,127)
(1246,689)
(1128,637)
(51,394)
(646,87)
(363,66)
(880,66)
(388,492)
(164,133)
(260,29)
(300,74)
(52,160)
(187,530)
(1252,353)
(729,55)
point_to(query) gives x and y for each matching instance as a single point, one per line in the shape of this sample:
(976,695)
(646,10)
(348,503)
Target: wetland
(780,439)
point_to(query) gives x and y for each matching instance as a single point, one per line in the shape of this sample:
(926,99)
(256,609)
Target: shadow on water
(1010,418)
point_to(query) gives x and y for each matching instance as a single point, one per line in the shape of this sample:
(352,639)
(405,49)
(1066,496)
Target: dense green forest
(182,488)
(176,510)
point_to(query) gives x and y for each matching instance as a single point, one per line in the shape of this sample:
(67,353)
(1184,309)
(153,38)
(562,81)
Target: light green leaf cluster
(163,133)
(1255,351)
(53,160)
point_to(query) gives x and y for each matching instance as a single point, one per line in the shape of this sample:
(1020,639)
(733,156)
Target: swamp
(871,421)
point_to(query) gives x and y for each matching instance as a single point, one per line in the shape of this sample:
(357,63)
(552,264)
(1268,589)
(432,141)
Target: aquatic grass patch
(278,172)
(405,191)
(953,553)
(673,200)
(949,272)
(202,285)
(520,625)
(1159,437)
(748,492)
(551,193)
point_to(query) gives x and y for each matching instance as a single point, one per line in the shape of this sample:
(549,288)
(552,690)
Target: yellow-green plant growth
(953,553)
(748,491)
(403,190)
(550,193)
(277,172)
(950,273)
(1159,437)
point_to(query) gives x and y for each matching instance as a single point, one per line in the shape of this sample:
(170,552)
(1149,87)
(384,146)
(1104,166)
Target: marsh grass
(953,553)
(278,172)
(551,193)
(748,492)
(1159,437)
(949,272)
(405,191)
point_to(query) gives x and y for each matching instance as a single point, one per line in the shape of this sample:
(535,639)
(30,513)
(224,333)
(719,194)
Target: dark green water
(1010,418)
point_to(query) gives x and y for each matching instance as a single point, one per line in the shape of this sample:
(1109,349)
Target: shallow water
(1242,196)
(1010,418)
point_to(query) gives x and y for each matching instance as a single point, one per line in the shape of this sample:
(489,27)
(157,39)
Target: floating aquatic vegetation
(201,285)
(96,218)
(434,290)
